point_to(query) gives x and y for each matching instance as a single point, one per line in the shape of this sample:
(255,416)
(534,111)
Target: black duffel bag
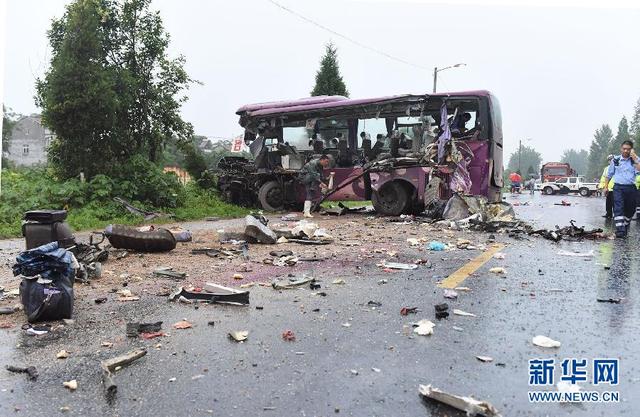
(47,301)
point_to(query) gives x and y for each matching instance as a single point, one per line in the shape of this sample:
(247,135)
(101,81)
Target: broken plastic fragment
(462,313)
(450,294)
(469,405)
(577,254)
(183,324)
(338,281)
(424,327)
(63,354)
(484,358)
(413,241)
(498,270)
(397,265)
(498,255)
(72,385)
(437,246)
(544,341)
(239,336)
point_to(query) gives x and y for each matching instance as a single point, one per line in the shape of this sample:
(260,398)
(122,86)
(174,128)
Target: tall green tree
(9,120)
(634,129)
(328,79)
(529,158)
(111,92)
(578,159)
(622,135)
(598,151)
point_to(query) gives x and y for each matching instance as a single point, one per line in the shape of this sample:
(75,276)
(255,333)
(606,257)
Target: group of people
(621,184)
(516,183)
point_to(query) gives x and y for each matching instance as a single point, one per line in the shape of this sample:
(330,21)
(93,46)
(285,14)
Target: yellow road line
(470,267)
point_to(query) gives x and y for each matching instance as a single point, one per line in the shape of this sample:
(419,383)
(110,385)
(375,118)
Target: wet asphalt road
(543,293)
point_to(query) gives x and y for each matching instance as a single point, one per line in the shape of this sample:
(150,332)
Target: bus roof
(337,102)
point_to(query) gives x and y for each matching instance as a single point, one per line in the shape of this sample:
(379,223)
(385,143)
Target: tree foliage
(529,158)
(622,135)
(111,91)
(598,151)
(634,129)
(578,159)
(328,79)
(9,120)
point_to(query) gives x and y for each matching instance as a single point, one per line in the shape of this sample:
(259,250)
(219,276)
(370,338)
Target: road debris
(167,271)
(442,311)
(499,255)
(397,265)
(288,335)
(134,329)
(338,281)
(72,385)
(404,311)
(31,371)
(182,324)
(498,270)
(451,294)
(258,230)
(462,313)
(212,293)
(469,405)
(544,341)
(283,285)
(110,366)
(63,354)
(484,358)
(589,254)
(131,238)
(239,336)
(609,300)
(437,246)
(423,327)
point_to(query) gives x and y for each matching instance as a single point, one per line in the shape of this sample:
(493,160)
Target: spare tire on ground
(126,237)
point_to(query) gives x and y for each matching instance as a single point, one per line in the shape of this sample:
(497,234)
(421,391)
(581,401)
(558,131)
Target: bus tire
(270,196)
(547,190)
(585,192)
(392,199)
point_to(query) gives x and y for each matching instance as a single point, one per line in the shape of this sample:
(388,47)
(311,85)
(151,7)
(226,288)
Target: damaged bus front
(402,152)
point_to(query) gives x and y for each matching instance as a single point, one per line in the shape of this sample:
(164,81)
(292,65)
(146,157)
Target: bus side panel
(479,167)
(352,192)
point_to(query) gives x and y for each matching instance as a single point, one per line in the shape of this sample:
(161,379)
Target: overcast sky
(560,68)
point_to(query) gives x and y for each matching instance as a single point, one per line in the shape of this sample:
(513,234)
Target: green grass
(350,204)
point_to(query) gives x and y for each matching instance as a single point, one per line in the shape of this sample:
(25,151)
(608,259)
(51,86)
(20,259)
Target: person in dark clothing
(312,179)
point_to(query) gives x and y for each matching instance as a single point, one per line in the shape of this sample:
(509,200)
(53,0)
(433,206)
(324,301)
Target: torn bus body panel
(386,149)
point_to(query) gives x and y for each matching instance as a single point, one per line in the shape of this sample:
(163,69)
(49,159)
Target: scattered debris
(437,246)
(31,371)
(109,366)
(499,255)
(63,354)
(134,329)
(462,313)
(152,335)
(484,358)
(280,285)
(498,270)
(451,294)
(374,303)
(258,230)
(148,215)
(397,265)
(167,271)
(72,385)
(563,203)
(127,237)
(589,254)
(338,281)
(609,300)
(544,341)
(424,327)
(238,276)
(469,405)
(100,300)
(404,311)
(289,336)
(239,336)
(442,311)
(182,324)
(212,293)
(413,241)
(280,253)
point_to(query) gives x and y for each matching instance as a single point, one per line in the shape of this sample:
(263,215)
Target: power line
(345,37)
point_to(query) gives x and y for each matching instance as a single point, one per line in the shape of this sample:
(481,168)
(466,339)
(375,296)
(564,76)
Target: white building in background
(29,142)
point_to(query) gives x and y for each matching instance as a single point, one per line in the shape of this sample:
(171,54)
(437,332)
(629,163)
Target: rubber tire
(585,192)
(263,194)
(547,191)
(392,199)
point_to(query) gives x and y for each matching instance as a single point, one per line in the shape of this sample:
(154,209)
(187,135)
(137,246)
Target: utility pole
(519,154)
(436,70)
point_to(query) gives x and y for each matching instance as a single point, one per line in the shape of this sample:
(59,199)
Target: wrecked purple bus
(401,152)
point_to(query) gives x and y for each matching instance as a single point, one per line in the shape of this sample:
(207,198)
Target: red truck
(551,171)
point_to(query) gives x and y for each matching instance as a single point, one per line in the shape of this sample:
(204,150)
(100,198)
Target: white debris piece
(498,255)
(498,270)
(413,241)
(397,265)
(484,358)
(424,327)
(462,313)
(451,294)
(544,341)
(469,405)
(589,254)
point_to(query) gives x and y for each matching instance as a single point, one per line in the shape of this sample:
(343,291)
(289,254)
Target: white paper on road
(544,341)
(469,405)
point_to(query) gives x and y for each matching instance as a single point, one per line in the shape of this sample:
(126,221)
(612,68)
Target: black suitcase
(44,226)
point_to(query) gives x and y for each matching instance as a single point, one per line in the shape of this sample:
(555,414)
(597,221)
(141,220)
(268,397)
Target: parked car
(568,185)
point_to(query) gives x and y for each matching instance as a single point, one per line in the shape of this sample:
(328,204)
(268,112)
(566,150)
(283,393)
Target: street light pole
(436,70)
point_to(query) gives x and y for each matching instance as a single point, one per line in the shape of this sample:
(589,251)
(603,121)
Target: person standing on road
(311,178)
(516,181)
(624,167)
(607,190)
(638,196)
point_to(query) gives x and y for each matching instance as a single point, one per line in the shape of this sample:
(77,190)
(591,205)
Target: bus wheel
(547,190)
(392,199)
(270,196)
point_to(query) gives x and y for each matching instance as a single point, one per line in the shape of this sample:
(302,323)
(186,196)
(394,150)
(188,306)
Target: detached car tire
(547,190)
(270,196)
(392,199)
